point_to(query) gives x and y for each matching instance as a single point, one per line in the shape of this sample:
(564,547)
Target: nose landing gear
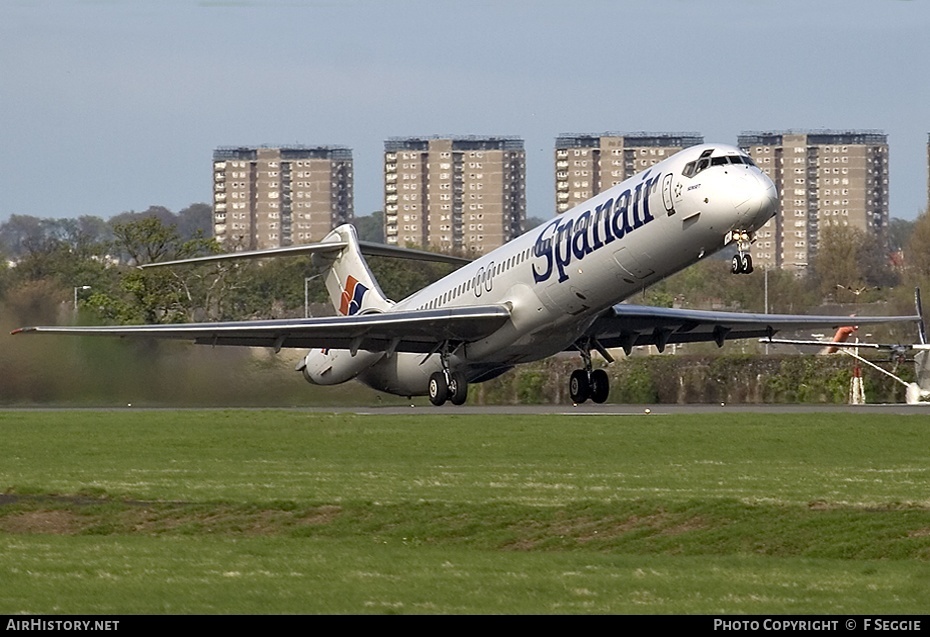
(742,262)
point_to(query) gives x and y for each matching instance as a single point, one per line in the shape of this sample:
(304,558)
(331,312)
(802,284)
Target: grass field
(265,511)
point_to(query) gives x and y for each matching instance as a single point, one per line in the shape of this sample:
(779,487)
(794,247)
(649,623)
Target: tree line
(86,268)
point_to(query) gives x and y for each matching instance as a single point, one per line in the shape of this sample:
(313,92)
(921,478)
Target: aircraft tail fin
(351,285)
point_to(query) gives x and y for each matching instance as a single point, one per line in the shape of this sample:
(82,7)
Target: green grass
(296,512)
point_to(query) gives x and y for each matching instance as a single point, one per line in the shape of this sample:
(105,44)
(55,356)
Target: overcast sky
(110,105)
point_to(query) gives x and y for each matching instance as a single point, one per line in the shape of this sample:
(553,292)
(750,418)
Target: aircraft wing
(419,331)
(627,325)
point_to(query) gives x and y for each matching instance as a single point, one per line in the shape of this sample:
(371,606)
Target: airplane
(558,287)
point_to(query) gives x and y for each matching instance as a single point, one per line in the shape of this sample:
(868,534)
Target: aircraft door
(667,194)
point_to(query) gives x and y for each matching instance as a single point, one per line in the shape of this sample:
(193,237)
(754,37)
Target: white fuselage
(557,278)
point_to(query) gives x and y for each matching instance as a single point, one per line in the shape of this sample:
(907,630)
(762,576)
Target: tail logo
(352,295)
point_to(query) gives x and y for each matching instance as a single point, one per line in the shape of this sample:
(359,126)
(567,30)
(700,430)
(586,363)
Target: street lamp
(76,288)
(307,294)
(766,302)
(766,290)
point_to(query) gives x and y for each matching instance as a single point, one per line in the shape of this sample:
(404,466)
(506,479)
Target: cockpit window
(692,168)
(740,159)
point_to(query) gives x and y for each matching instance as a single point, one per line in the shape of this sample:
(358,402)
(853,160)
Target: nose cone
(755,199)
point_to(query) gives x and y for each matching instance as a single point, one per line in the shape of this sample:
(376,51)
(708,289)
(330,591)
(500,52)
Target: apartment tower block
(270,197)
(823,178)
(586,164)
(465,195)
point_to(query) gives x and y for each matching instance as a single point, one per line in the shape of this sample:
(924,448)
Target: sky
(108,106)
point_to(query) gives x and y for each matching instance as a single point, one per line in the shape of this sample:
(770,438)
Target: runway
(632,410)
(588,409)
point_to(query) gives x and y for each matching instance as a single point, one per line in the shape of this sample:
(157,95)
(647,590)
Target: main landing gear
(742,262)
(583,385)
(589,383)
(446,385)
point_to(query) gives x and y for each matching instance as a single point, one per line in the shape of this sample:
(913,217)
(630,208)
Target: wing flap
(407,331)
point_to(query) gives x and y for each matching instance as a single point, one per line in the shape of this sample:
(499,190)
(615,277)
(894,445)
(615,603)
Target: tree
(272,288)
(899,233)
(23,234)
(917,248)
(149,239)
(849,259)
(157,295)
(875,264)
(161,213)
(399,278)
(195,221)
(370,228)
(837,260)
(19,232)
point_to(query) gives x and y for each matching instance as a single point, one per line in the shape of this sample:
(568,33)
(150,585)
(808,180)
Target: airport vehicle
(558,287)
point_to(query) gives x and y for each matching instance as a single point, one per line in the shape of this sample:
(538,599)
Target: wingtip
(23,330)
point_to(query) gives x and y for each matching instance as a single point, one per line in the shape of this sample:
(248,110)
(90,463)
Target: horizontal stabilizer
(368,248)
(290,251)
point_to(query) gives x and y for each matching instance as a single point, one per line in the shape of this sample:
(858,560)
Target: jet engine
(334,366)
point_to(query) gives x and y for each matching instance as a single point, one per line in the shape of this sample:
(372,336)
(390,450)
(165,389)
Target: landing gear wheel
(438,388)
(736,265)
(458,388)
(741,264)
(600,386)
(579,387)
